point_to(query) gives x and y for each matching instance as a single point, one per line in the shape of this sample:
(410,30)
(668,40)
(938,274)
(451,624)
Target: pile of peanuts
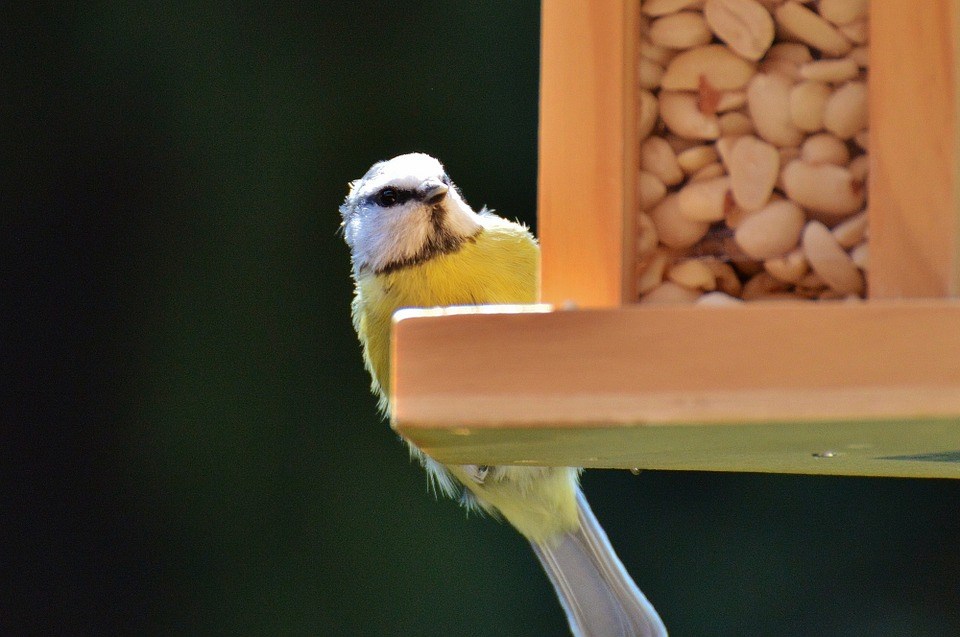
(753,154)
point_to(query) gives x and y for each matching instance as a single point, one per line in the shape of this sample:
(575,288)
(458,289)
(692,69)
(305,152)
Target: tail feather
(595,590)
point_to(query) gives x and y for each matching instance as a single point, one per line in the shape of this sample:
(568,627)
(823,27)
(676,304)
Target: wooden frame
(870,388)
(915,167)
(588,155)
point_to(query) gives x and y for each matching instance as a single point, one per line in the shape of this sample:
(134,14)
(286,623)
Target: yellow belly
(501,265)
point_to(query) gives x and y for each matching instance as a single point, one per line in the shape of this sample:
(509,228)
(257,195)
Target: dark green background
(188,442)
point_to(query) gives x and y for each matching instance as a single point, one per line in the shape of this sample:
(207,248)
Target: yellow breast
(500,265)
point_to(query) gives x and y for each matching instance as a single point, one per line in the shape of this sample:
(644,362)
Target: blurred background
(188,444)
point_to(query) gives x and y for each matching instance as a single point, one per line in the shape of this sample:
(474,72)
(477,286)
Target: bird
(415,242)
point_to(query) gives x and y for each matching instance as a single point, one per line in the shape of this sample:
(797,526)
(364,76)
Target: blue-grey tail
(595,590)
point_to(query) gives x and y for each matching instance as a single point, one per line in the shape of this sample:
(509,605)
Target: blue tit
(414,242)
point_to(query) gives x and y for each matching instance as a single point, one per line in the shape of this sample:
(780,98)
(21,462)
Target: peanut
(655,8)
(851,232)
(674,229)
(657,54)
(808,27)
(830,70)
(744,25)
(649,73)
(824,149)
(824,188)
(669,293)
(650,190)
(712,64)
(786,58)
(829,260)
(790,268)
(681,30)
(727,280)
(707,172)
(693,159)
(754,166)
(682,115)
(857,32)
(845,113)
(792,52)
(842,12)
(768,97)
(704,200)
(771,231)
(647,239)
(652,269)
(807,102)
(693,274)
(649,111)
(657,157)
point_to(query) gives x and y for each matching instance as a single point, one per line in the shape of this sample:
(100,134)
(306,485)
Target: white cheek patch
(460,220)
(387,235)
(395,234)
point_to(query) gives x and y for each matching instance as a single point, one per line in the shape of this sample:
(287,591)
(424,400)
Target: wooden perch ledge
(840,388)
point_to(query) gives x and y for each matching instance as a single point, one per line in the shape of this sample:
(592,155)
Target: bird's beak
(432,191)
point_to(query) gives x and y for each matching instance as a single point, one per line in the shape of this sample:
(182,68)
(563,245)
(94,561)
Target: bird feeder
(596,377)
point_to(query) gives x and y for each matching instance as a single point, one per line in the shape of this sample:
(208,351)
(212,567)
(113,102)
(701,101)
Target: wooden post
(588,156)
(914,149)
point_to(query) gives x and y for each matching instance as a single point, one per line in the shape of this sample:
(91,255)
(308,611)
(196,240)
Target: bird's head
(404,211)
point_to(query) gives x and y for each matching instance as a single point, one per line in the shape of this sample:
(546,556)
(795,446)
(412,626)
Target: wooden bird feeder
(593,379)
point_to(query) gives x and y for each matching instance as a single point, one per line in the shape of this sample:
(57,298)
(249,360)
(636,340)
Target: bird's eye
(387,197)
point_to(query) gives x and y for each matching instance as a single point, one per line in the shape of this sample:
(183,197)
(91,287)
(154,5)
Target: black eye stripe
(389,196)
